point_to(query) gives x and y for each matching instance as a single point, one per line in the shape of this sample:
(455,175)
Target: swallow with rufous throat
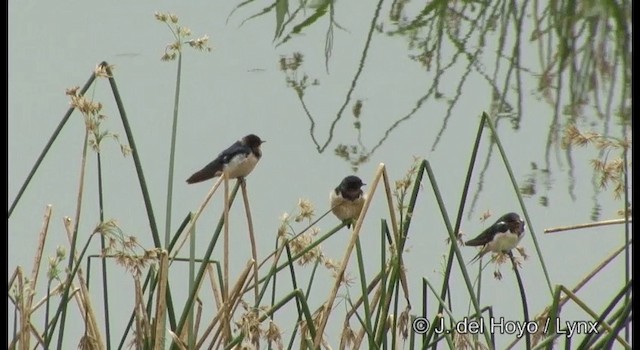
(347,199)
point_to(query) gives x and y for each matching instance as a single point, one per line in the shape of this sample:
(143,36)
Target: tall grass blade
(465,190)
(590,337)
(44,152)
(74,235)
(523,297)
(454,249)
(503,154)
(328,305)
(136,157)
(203,267)
(365,294)
(103,262)
(172,150)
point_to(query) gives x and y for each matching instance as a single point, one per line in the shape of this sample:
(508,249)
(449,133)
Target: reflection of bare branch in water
(355,155)
(588,65)
(354,81)
(530,186)
(472,57)
(584,63)
(440,25)
(290,66)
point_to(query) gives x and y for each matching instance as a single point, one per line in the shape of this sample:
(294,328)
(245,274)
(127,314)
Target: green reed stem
(520,200)
(47,147)
(172,150)
(136,157)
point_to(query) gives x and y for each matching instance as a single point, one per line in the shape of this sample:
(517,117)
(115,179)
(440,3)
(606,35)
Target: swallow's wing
(487,235)
(215,168)
(237,148)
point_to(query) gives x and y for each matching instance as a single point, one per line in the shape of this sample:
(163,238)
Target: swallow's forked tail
(208,172)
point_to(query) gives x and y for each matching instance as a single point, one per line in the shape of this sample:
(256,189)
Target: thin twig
(28,299)
(83,297)
(72,253)
(587,225)
(234,296)
(564,299)
(195,217)
(252,239)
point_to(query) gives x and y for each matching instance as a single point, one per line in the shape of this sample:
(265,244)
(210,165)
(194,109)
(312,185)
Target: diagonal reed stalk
(505,159)
(555,309)
(299,296)
(74,235)
(26,306)
(328,305)
(103,66)
(587,225)
(380,315)
(186,231)
(590,338)
(203,267)
(83,298)
(456,251)
(252,239)
(234,297)
(562,300)
(443,304)
(47,147)
(366,326)
(299,305)
(397,273)
(443,293)
(135,155)
(624,320)
(277,268)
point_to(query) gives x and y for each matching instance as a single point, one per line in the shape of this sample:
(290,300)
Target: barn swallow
(237,161)
(502,236)
(347,199)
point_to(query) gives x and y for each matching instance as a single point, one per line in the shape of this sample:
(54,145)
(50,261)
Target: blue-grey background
(238,89)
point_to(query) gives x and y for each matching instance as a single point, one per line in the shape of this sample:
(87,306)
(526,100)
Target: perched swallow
(237,161)
(347,199)
(502,236)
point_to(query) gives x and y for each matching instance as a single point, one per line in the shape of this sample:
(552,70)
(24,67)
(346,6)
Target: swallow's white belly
(240,165)
(504,241)
(345,209)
